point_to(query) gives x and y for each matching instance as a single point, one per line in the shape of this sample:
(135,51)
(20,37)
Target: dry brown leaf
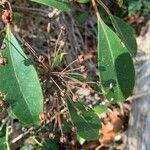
(111,128)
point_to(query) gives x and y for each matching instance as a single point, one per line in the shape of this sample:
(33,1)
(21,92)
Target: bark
(138,133)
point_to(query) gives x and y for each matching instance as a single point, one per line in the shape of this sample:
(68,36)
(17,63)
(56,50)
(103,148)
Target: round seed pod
(52,135)
(41,59)
(42,116)
(73,129)
(81,58)
(63,139)
(6,16)
(74,98)
(63,28)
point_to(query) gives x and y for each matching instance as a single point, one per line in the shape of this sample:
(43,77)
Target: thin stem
(48,51)
(58,39)
(58,114)
(69,66)
(73,79)
(75,69)
(33,52)
(7,136)
(34,11)
(55,56)
(96,10)
(4,122)
(49,56)
(55,123)
(103,5)
(30,48)
(21,136)
(56,84)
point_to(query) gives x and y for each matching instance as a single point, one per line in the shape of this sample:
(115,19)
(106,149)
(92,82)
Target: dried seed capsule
(82,69)
(84,85)
(62,93)
(6,16)
(63,139)
(41,59)
(49,114)
(62,43)
(52,135)
(3,105)
(81,58)
(42,116)
(74,98)
(73,129)
(3,46)
(63,28)
(3,61)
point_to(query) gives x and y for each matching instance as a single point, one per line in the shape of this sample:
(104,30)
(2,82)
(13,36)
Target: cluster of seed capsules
(51,116)
(52,134)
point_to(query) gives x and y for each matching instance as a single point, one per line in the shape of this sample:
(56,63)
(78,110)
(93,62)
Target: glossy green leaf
(64,6)
(115,64)
(126,33)
(58,60)
(88,123)
(20,83)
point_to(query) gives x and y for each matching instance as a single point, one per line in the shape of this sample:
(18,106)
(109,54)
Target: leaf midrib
(17,79)
(105,33)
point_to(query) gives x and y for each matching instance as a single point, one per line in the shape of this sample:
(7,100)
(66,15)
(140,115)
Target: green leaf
(83,1)
(58,59)
(79,77)
(88,123)
(146,4)
(55,4)
(133,7)
(80,140)
(27,147)
(81,19)
(20,83)
(4,145)
(126,34)
(115,64)
(120,2)
(51,144)
(99,109)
